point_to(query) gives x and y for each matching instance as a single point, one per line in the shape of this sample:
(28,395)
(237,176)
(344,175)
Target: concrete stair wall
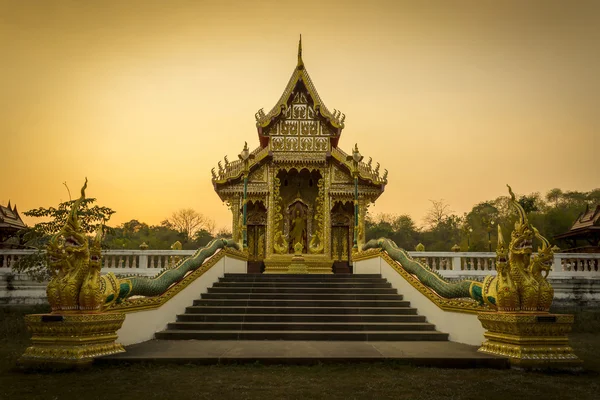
(301,307)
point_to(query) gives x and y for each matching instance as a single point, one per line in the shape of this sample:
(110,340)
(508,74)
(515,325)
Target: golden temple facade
(298,195)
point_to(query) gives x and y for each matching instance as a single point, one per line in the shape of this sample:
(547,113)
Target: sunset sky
(454,98)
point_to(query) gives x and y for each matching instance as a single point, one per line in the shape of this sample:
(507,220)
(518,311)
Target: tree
(201,239)
(437,213)
(530,203)
(188,221)
(224,233)
(399,228)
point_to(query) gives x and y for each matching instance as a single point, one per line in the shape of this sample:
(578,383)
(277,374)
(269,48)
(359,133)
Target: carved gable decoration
(259,175)
(339,175)
(299,128)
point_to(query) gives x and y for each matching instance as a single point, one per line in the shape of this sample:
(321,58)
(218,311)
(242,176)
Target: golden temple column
(270,211)
(356,158)
(235,211)
(327,210)
(363,205)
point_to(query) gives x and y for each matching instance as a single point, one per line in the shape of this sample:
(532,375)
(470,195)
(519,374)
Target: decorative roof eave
(234,170)
(579,232)
(365,171)
(336,119)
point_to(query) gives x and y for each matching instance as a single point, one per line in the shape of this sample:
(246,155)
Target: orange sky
(454,98)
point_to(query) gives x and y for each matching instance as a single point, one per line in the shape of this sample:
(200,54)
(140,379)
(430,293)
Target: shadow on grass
(255,381)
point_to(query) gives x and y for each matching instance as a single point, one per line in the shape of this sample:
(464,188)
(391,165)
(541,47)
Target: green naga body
(77,284)
(157,285)
(520,284)
(427,276)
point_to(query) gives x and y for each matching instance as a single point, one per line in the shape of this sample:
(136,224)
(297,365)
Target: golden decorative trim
(237,254)
(135,304)
(71,339)
(529,340)
(367,254)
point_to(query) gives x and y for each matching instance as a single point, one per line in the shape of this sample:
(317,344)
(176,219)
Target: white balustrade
(142,262)
(456,264)
(149,262)
(483,263)
(575,276)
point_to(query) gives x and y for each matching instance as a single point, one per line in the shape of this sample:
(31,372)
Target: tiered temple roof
(320,124)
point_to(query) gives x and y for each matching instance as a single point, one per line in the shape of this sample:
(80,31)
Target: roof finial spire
(300,62)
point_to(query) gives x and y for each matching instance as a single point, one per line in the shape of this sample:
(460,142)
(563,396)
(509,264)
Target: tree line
(476,230)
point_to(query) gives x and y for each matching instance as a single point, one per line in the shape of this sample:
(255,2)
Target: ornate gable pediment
(299,121)
(339,175)
(259,175)
(299,128)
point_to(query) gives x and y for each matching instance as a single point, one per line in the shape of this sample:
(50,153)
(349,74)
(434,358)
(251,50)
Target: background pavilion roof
(10,218)
(587,222)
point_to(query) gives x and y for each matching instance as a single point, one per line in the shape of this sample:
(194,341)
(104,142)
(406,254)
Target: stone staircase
(302,308)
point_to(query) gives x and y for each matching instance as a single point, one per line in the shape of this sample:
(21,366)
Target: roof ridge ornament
(300,62)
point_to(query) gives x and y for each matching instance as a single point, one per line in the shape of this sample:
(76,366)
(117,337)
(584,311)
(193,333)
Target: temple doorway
(341,236)
(299,191)
(256,231)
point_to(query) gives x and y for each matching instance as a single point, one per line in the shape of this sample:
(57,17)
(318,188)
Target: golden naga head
(55,254)
(545,255)
(522,236)
(74,237)
(96,249)
(501,251)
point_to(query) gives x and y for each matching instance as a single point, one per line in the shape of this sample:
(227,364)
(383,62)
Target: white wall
(461,327)
(140,326)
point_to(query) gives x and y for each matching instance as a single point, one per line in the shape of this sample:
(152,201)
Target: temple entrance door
(256,248)
(256,236)
(340,249)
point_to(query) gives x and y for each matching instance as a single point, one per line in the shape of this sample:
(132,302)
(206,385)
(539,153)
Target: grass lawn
(343,381)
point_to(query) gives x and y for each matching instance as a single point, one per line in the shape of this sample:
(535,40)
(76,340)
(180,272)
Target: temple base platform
(70,340)
(530,340)
(294,264)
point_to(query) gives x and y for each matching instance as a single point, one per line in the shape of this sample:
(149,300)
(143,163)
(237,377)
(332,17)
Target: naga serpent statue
(520,284)
(76,283)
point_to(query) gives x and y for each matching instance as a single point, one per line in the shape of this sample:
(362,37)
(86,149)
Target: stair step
(303,290)
(301,307)
(302,276)
(271,310)
(302,284)
(355,318)
(303,335)
(302,326)
(309,279)
(301,303)
(299,296)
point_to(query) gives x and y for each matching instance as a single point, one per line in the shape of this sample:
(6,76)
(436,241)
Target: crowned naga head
(545,255)
(55,254)
(96,250)
(501,252)
(72,235)
(522,236)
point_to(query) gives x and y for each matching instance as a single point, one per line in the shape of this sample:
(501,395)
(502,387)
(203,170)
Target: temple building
(298,199)
(10,224)
(584,235)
